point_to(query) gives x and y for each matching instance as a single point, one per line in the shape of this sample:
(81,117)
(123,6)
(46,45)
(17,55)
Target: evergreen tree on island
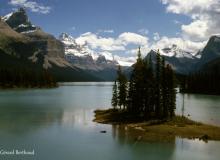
(115,95)
(122,89)
(151,93)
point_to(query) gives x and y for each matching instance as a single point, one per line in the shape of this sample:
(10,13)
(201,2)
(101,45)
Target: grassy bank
(159,130)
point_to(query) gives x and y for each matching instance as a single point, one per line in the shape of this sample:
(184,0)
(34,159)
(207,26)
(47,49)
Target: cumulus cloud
(122,47)
(32,5)
(122,60)
(132,38)
(204,14)
(112,44)
(98,42)
(184,44)
(125,61)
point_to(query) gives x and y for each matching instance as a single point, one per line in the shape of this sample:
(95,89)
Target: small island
(146,106)
(158,130)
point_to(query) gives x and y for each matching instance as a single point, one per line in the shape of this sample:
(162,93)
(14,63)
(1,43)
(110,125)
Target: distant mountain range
(26,45)
(184,62)
(23,45)
(82,57)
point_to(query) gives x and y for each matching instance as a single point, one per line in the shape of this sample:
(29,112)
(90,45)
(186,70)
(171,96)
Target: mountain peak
(19,21)
(175,51)
(212,49)
(101,59)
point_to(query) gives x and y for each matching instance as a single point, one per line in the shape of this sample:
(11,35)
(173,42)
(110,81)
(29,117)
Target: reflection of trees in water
(138,149)
(26,119)
(183,104)
(119,133)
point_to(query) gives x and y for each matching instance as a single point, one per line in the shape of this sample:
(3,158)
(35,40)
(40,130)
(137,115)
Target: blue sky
(80,16)
(156,23)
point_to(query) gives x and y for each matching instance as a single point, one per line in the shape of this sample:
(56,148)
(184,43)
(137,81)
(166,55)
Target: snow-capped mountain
(181,61)
(175,51)
(83,57)
(26,46)
(49,48)
(71,47)
(19,21)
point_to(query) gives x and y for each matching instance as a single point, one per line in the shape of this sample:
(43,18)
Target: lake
(57,124)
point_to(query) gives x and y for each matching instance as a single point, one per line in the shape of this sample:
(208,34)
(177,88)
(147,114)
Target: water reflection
(23,120)
(139,149)
(59,121)
(203,108)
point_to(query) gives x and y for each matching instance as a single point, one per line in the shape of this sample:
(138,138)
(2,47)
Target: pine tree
(171,91)
(152,94)
(136,89)
(122,89)
(151,86)
(164,88)
(158,85)
(115,95)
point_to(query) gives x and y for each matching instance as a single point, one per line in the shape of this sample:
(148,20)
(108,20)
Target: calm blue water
(57,124)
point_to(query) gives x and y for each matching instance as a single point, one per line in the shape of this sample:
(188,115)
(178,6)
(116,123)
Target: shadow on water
(142,150)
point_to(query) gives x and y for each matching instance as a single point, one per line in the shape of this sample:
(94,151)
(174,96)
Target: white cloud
(189,7)
(204,14)
(197,30)
(132,38)
(125,44)
(125,61)
(98,42)
(184,44)
(112,44)
(205,22)
(33,6)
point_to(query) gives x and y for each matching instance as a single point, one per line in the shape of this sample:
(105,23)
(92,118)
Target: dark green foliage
(122,88)
(158,85)
(201,82)
(136,89)
(165,89)
(25,78)
(18,72)
(170,91)
(150,94)
(115,95)
(205,81)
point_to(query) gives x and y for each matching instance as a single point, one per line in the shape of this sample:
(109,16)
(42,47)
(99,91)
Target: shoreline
(159,130)
(30,87)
